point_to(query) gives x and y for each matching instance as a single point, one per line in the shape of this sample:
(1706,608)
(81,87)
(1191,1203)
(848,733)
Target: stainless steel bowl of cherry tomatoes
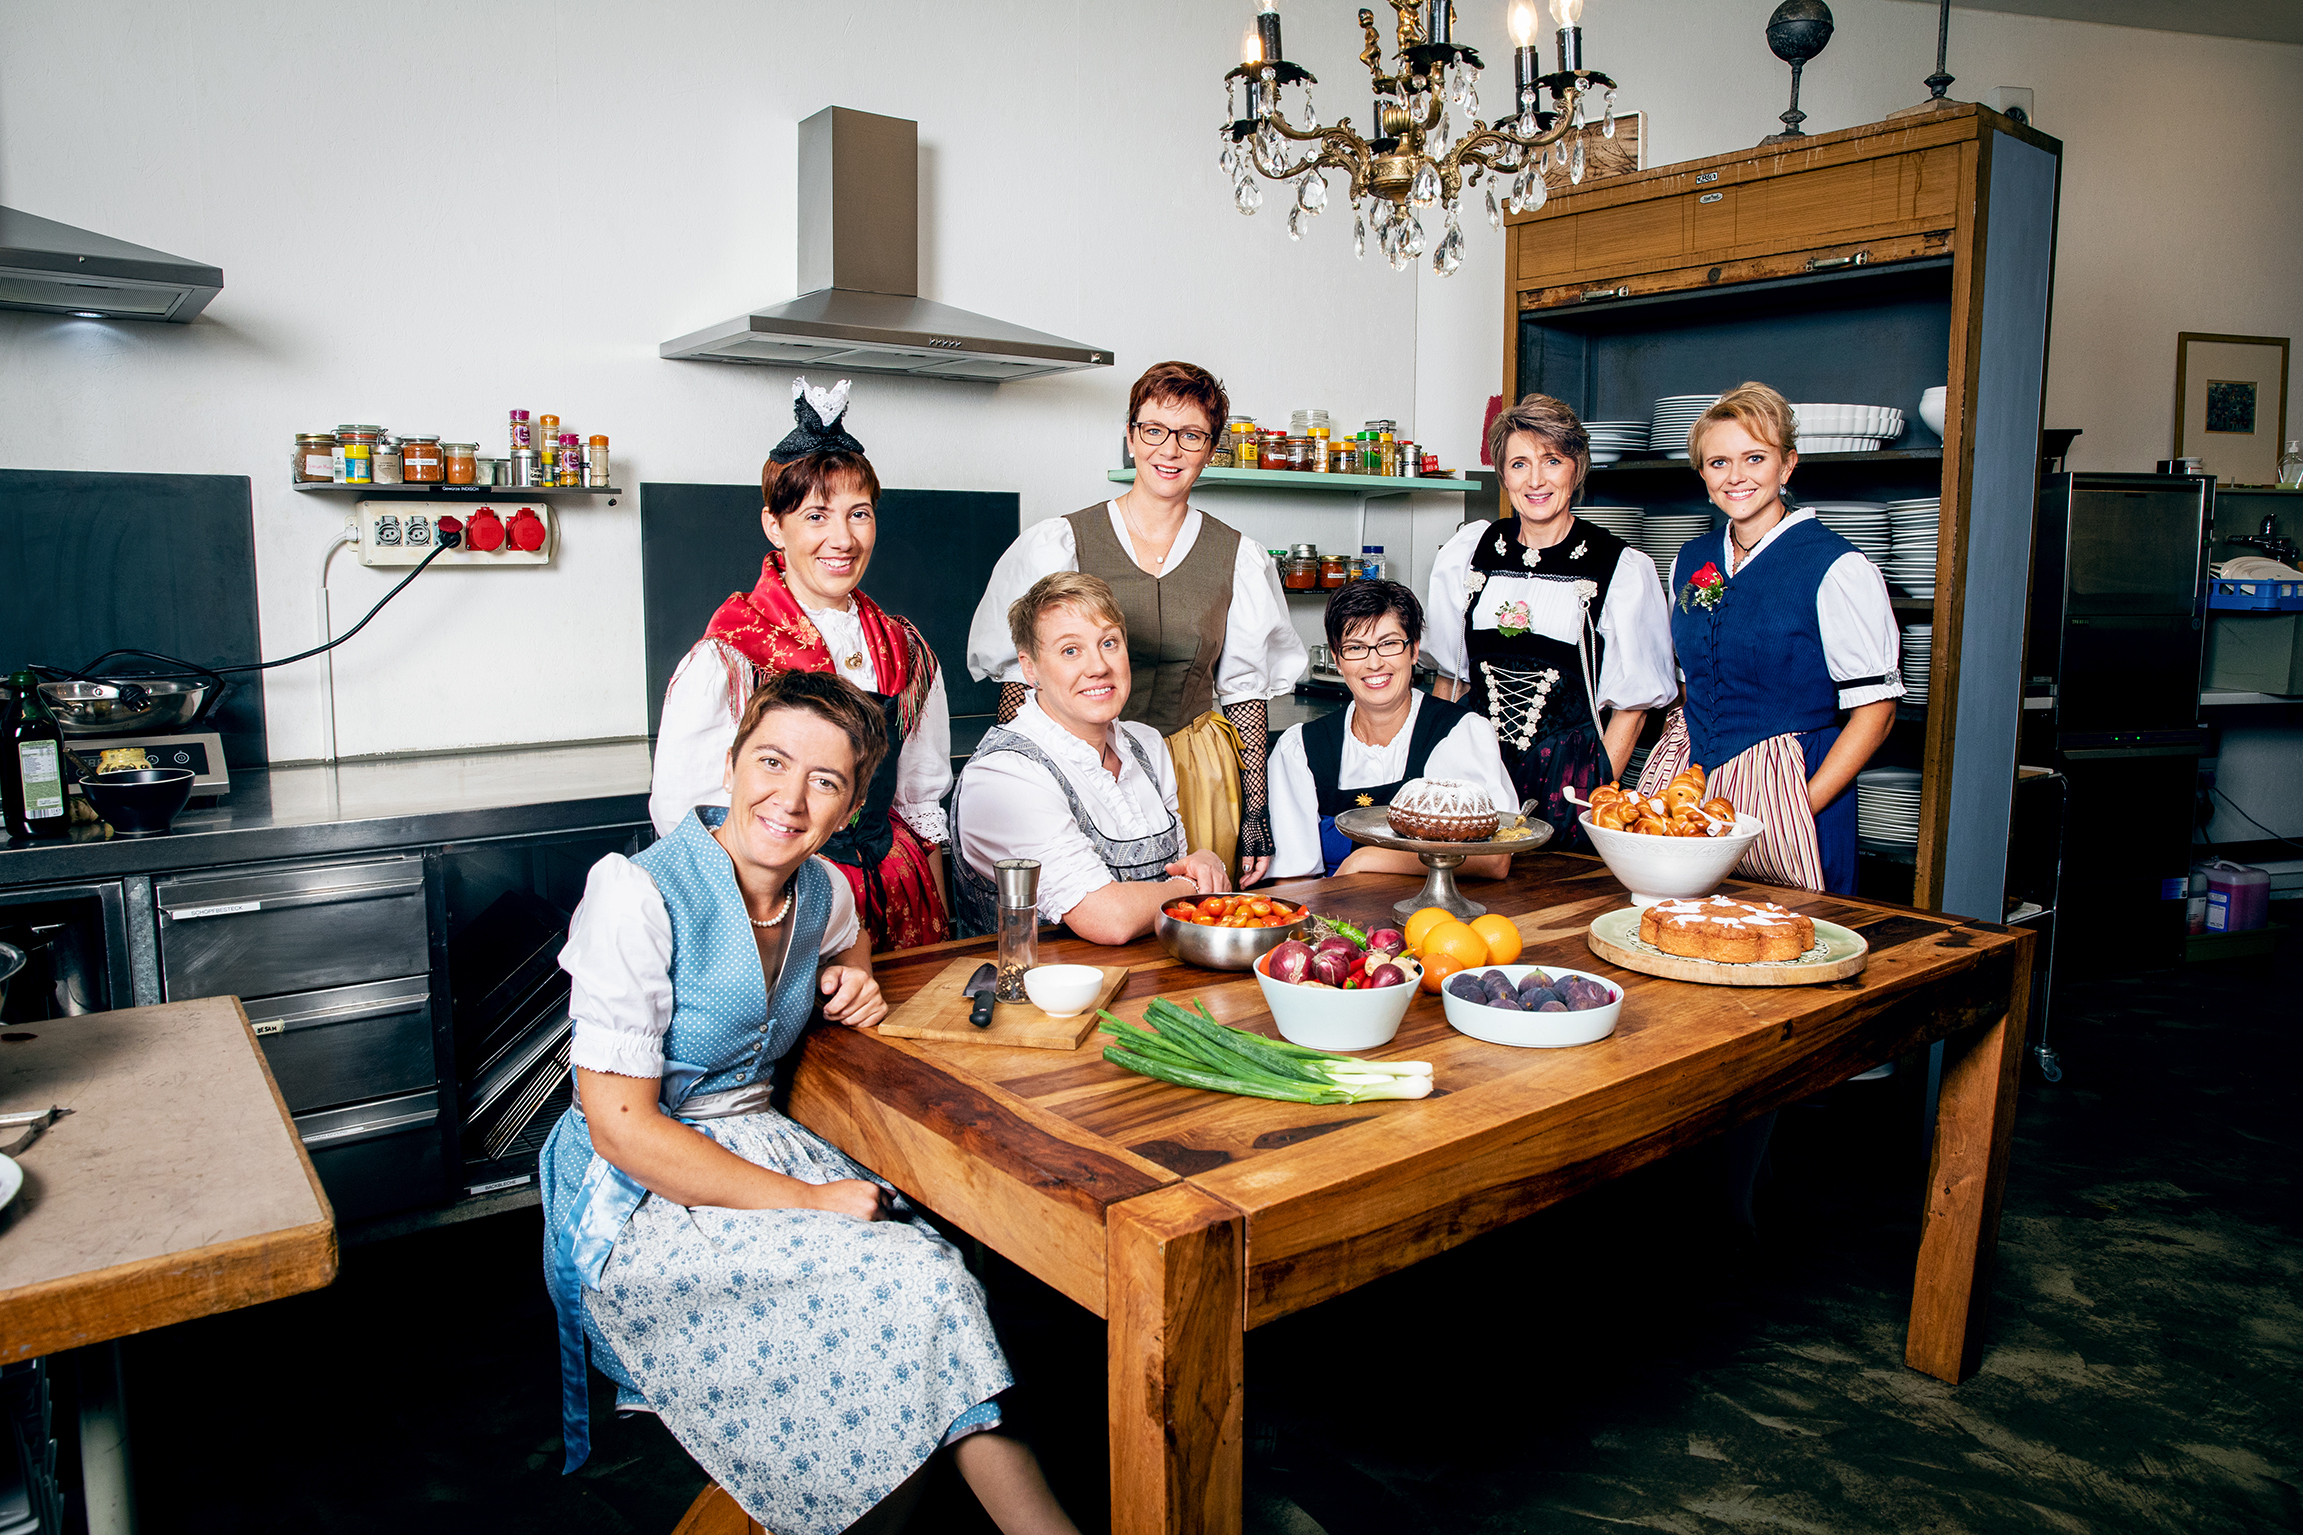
(1226,932)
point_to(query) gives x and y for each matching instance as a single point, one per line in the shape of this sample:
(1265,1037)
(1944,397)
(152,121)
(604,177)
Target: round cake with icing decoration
(1442,810)
(1727,931)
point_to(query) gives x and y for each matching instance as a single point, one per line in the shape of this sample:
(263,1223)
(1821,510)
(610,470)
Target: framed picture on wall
(2231,404)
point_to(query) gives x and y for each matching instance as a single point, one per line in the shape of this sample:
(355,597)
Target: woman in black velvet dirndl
(1550,626)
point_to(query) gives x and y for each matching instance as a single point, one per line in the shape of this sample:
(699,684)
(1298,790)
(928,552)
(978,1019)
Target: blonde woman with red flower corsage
(1787,653)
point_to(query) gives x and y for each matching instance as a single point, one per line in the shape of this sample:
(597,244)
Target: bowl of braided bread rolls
(1677,843)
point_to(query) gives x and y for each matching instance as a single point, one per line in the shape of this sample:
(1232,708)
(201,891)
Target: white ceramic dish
(1538,1031)
(1063,991)
(1812,443)
(1670,868)
(1323,1018)
(11,1180)
(1931,408)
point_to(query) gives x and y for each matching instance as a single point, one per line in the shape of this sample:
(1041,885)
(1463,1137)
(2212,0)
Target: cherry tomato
(1213,906)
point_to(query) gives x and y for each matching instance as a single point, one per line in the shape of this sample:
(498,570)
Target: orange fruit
(1423,922)
(1501,936)
(1454,940)
(1436,970)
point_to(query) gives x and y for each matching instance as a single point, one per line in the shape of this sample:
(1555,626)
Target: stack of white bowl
(1861,523)
(1674,415)
(1887,805)
(1918,654)
(1912,532)
(1625,522)
(1662,533)
(1846,428)
(1611,440)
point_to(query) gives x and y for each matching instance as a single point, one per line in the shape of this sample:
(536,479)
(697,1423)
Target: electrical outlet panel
(507,532)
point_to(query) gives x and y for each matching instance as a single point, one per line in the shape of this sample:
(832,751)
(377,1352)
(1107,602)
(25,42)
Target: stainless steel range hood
(54,268)
(860,262)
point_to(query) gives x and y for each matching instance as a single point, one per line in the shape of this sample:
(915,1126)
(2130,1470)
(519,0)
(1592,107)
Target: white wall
(380,267)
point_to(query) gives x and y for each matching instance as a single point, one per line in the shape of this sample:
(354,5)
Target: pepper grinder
(1019,885)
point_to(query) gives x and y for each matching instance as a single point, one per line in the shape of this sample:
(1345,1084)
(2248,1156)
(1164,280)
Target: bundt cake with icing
(1442,810)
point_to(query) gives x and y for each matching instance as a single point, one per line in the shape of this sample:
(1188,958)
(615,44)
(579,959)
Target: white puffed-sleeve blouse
(619,963)
(1263,656)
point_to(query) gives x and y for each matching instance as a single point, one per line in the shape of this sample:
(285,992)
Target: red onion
(1290,961)
(1387,975)
(1387,940)
(1331,967)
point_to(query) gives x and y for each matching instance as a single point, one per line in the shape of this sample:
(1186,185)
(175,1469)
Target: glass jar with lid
(315,459)
(1336,570)
(355,455)
(1320,456)
(596,460)
(420,460)
(387,461)
(1301,573)
(460,463)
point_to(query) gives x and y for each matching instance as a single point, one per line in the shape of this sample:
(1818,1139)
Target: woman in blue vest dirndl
(1387,736)
(1548,624)
(803,1335)
(1788,646)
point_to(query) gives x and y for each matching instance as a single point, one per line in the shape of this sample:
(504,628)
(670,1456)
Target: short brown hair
(1185,383)
(1365,602)
(832,699)
(1756,408)
(1092,595)
(1548,421)
(785,488)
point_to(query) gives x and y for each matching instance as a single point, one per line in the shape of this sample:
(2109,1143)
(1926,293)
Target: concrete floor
(1611,1363)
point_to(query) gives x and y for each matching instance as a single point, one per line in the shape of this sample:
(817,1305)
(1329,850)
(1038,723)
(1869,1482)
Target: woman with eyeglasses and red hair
(1209,639)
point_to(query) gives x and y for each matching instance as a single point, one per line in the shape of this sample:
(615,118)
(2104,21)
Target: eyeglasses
(1153,435)
(1353,650)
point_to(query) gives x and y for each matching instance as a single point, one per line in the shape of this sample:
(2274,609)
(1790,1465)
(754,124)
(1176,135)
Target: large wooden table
(1184,1218)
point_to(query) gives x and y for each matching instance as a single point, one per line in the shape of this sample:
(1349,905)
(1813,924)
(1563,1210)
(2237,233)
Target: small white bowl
(1668,868)
(1540,1031)
(1063,991)
(1325,1018)
(1931,408)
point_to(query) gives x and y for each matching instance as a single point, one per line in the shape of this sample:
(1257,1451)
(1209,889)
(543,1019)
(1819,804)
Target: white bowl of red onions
(1337,994)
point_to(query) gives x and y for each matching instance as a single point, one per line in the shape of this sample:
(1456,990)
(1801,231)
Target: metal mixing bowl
(95,708)
(1225,948)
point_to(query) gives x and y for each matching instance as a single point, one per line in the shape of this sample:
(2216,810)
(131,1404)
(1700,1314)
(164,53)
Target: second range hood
(860,261)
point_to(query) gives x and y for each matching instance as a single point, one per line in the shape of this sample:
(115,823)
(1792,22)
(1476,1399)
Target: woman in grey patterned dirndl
(805,1337)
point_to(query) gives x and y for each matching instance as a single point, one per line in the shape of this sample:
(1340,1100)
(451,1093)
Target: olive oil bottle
(32,770)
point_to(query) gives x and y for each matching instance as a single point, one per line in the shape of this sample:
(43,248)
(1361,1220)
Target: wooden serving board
(938,1011)
(1615,936)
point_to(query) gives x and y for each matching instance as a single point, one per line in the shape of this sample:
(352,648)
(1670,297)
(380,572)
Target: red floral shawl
(771,630)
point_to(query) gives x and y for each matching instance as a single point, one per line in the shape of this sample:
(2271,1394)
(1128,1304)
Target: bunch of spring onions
(1191,1049)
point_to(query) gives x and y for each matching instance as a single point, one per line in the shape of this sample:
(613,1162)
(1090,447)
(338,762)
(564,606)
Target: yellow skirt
(1206,758)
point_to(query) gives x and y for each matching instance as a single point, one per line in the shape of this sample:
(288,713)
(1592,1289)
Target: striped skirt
(1768,780)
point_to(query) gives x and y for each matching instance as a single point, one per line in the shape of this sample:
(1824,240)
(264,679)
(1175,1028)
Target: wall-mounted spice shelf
(1294,479)
(458,492)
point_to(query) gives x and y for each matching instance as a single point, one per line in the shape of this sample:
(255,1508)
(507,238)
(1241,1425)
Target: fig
(1386,940)
(1465,985)
(1537,977)
(1330,967)
(1387,975)
(1506,1003)
(1533,1000)
(1553,1006)
(1290,961)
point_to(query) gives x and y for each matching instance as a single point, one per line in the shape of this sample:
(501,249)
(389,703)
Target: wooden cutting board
(938,1011)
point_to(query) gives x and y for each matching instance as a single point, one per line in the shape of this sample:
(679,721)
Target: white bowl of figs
(1533,1006)
(1338,993)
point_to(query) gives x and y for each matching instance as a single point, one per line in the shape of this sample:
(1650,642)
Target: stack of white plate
(1861,523)
(1674,415)
(1662,533)
(1625,522)
(1611,440)
(1911,528)
(1846,428)
(1887,805)
(1918,653)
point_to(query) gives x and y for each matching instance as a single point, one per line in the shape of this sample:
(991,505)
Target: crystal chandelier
(1430,147)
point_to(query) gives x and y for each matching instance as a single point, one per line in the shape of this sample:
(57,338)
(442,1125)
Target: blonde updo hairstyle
(1756,408)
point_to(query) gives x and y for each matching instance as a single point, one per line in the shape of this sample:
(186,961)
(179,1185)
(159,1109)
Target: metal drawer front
(265,932)
(348,1043)
(375,1158)
(366,1121)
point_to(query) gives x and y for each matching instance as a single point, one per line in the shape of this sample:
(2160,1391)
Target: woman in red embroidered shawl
(807,614)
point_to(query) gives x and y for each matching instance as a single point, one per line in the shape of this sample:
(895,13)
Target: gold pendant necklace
(855,662)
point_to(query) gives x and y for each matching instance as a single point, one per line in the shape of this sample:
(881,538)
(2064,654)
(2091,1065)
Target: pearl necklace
(782,910)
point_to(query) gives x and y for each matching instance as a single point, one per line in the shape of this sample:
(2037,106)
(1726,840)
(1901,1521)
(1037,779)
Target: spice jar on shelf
(1372,565)
(571,466)
(1247,449)
(355,455)
(1335,570)
(386,461)
(315,460)
(596,461)
(420,460)
(1321,459)
(460,463)
(523,433)
(1346,459)
(1301,573)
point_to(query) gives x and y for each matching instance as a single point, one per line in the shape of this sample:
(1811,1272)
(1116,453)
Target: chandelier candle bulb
(1267,34)
(1439,26)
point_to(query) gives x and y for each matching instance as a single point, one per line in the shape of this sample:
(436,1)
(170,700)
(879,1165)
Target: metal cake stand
(1371,824)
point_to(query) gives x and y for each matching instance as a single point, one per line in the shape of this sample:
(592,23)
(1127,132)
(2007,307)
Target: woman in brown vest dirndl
(1209,639)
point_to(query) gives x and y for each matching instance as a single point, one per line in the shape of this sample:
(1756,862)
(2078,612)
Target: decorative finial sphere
(1798,30)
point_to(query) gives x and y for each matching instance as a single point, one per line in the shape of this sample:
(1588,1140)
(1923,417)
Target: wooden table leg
(1966,1175)
(1176,1290)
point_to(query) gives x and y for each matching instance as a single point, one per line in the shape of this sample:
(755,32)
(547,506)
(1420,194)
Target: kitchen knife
(979,986)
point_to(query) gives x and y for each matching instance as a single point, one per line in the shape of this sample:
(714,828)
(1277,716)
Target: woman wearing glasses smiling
(1209,641)
(1388,734)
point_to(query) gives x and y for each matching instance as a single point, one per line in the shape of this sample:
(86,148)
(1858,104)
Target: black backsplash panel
(164,562)
(932,561)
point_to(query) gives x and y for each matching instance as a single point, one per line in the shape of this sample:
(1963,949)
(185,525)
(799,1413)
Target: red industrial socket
(486,532)
(526,531)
